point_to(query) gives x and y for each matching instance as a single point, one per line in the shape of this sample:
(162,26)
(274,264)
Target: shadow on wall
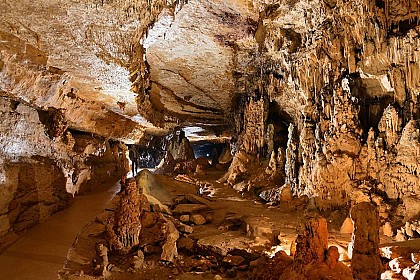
(32,192)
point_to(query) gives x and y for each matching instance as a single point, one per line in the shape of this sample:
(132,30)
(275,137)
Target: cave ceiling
(75,56)
(125,69)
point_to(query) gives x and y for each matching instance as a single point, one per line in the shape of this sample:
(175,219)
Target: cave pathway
(41,252)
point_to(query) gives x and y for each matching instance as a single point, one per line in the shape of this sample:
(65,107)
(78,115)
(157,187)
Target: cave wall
(40,173)
(346,75)
(26,74)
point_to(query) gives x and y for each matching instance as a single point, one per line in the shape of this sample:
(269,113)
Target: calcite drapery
(252,140)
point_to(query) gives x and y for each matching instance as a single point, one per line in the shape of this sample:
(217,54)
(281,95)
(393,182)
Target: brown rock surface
(39,172)
(319,101)
(313,259)
(312,244)
(189,208)
(272,268)
(123,231)
(169,248)
(365,261)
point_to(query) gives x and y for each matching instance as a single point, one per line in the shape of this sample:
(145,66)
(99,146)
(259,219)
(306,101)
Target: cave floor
(41,251)
(283,220)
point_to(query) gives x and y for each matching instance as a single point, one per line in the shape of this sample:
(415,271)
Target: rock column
(365,262)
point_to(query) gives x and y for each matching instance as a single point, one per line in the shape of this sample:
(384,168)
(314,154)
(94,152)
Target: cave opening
(402,27)
(280,120)
(371,101)
(206,149)
(149,157)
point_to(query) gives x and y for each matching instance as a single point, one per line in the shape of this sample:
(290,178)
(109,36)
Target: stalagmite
(390,126)
(365,262)
(124,229)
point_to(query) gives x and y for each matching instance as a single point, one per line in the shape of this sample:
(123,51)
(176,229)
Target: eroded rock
(365,261)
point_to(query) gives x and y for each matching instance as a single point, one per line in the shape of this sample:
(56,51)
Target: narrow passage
(41,251)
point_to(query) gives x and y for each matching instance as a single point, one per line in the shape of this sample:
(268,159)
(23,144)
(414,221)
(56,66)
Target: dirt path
(41,251)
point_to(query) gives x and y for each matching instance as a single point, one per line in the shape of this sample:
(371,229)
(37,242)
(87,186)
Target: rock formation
(179,156)
(313,243)
(291,159)
(313,259)
(365,261)
(367,80)
(38,155)
(319,101)
(124,229)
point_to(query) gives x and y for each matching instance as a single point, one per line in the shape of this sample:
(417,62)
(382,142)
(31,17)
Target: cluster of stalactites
(321,84)
(367,39)
(253,138)
(391,157)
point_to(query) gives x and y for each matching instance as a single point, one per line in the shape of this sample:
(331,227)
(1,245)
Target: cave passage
(41,251)
(192,139)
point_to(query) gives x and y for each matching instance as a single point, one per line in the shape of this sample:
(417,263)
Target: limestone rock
(184,209)
(150,186)
(272,268)
(312,244)
(400,236)
(347,226)
(231,260)
(387,230)
(365,262)
(186,243)
(198,219)
(138,260)
(411,207)
(282,194)
(149,219)
(195,199)
(313,259)
(332,257)
(169,248)
(179,146)
(224,243)
(260,228)
(240,165)
(184,218)
(185,228)
(4,225)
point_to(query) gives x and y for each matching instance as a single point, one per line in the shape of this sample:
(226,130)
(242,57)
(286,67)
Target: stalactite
(291,159)
(390,126)
(253,139)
